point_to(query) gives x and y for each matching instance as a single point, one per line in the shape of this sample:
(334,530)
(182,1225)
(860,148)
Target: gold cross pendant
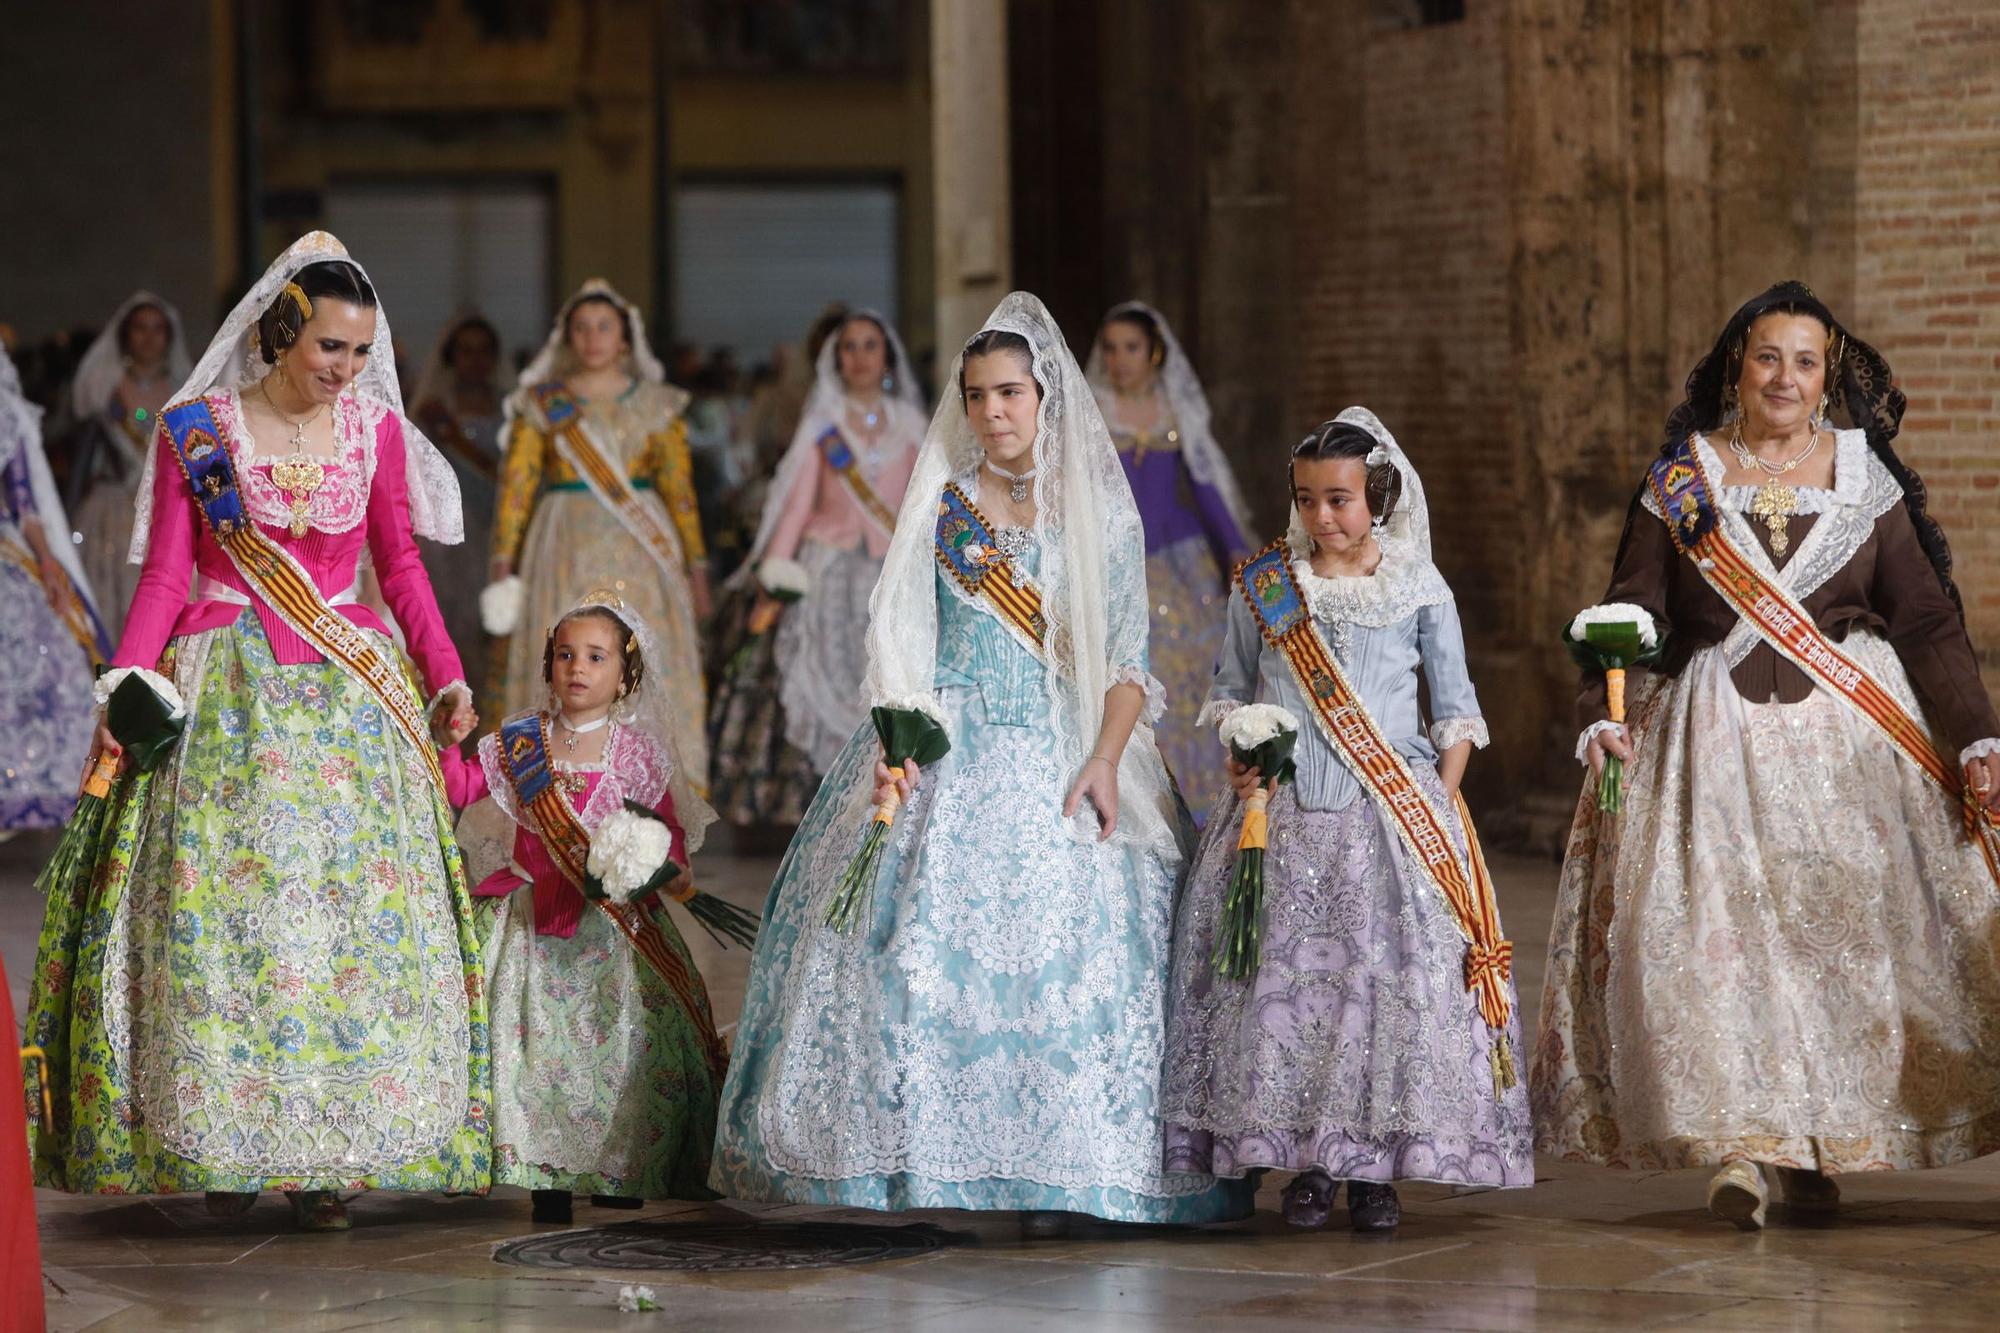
(1775,504)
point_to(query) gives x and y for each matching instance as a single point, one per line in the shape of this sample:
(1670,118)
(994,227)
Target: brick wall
(1402,287)
(1927,263)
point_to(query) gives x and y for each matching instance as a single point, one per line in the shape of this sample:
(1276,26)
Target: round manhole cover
(724,1247)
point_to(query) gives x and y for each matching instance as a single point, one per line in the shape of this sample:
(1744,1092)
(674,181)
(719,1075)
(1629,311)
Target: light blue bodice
(976,652)
(1381,661)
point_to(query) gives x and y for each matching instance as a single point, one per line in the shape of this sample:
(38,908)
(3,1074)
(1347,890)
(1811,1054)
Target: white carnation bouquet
(784,582)
(1259,736)
(631,858)
(1613,638)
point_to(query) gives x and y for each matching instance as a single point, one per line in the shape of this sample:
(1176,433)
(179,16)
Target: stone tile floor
(1585,1249)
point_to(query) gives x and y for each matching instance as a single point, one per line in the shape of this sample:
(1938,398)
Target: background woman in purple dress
(1197,526)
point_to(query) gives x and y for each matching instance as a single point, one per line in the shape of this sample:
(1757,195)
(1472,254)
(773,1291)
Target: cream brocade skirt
(574,546)
(1783,950)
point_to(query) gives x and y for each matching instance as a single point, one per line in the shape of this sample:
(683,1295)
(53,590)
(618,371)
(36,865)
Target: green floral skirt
(271,981)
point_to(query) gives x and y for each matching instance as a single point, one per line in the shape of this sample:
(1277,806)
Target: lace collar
(1851,476)
(1402,584)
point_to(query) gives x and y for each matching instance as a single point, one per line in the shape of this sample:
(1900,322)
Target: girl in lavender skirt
(1354,1049)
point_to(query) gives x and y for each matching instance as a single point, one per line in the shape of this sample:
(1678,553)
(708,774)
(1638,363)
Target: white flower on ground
(632,1300)
(500,606)
(1615,613)
(1251,725)
(627,850)
(785,579)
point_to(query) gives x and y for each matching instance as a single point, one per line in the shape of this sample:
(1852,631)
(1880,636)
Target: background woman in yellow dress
(596,386)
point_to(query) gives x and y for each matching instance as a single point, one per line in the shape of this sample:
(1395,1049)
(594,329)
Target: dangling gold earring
(1823,412)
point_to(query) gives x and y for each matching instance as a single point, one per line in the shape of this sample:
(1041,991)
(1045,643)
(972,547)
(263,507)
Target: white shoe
(1737,1194)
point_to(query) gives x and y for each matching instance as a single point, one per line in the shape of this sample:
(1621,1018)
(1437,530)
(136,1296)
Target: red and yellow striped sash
(74,615)
(1266,580)
(1684,492)
(563,418)
(967,549)
(524,757)
(284,585)
(840,457)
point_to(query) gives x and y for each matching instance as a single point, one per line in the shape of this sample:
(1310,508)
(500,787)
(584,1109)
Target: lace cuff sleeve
(1449,731)
(1215,710)
(1155,705)
(454,689)
(1583,741)
(1979,750)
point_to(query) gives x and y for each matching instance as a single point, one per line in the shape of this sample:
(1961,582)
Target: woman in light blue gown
(989,1033)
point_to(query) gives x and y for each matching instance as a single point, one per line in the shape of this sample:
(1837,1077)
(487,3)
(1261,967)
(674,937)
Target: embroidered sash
(840,457)
(1268,585)
(524,757)
(284,585)
(568,430)
(967,550)
(75,614)
(1686,497)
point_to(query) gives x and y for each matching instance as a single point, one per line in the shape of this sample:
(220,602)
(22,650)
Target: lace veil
(1409,578)
(232,363)
(103,364)
(21,433)
(826,406)
(1185,399)
(1093,571)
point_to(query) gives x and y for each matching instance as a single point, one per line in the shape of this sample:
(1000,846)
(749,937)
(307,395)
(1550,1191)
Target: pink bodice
(637,768)
(822,506)
(362,502)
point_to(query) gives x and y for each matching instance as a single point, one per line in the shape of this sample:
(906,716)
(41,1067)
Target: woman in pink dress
(271,981)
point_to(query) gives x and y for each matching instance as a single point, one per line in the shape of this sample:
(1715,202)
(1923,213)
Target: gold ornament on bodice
(298,476)
(1775,502)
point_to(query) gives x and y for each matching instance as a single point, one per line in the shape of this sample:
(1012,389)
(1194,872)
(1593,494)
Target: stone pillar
(969,153)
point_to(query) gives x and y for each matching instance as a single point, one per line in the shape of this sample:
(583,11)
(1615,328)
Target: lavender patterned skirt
(1356,1047)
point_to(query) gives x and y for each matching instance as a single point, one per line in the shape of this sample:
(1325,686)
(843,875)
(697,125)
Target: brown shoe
(1808,1191)
(319,1210)
(1737,1194)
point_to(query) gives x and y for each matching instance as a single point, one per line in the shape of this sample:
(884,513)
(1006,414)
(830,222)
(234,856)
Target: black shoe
(552,1206)
(1309,1199)
(1373,1206)
(1044,1224)
(615,1201)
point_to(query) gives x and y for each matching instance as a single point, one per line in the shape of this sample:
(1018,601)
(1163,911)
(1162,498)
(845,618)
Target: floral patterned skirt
(1355,1047)
(756,775)
(1190,596)
(600,1083)
(1781,951)
(271,981)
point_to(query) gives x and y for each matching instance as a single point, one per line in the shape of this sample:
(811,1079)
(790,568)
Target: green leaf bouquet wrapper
(1613,638)
(146,726)
(906,734)
(1239,934)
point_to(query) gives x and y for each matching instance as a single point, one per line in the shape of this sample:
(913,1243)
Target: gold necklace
(299,476)
(1775,502)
